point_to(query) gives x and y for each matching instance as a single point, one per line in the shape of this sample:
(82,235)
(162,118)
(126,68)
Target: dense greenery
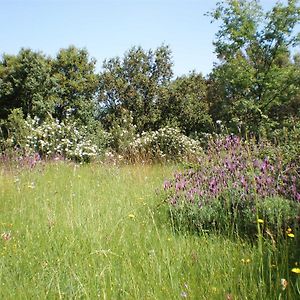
(253,89)
(233,184)
(225,226)
(90,231)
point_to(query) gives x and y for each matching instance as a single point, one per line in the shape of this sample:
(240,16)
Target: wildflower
(261,221)
(246,261)
(183,294)
(6,236)
(131,216)
(291,235)
(284,283)
(289,230)
(296,270)
(31,185)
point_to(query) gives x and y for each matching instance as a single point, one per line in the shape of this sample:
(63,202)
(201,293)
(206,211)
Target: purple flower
(167,185)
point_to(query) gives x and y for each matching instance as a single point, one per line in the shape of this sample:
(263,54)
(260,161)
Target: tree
(256,75)
(136,84)
(186,105)
(26,83)
(76,84)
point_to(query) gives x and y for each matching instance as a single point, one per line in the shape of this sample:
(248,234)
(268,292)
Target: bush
(14,131)
(51,138)
(64,138)
(122,133)
(164,144)
(231,184)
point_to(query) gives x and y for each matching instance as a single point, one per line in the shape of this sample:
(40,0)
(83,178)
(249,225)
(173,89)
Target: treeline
(254,88)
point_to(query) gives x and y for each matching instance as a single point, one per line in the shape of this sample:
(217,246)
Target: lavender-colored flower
(167,184)
(229,167)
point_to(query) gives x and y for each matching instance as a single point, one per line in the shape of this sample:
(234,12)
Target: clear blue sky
(108,28)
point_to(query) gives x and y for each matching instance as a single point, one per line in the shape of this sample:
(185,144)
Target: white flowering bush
(51,138)
(122,133)
(164,144)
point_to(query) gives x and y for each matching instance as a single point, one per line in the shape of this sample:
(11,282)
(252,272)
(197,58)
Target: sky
(108,28)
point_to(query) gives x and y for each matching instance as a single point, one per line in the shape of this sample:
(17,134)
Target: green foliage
(256,83)
(136,83)
(14,131)
(26,83)
(186,105)
(75,85)
(122,132)
(232,185)
(277,213)
(41,86)
(94,231)
(284,143)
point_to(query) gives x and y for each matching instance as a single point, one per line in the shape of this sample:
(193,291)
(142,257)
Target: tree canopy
(256,75)
(254,87)
(135,83)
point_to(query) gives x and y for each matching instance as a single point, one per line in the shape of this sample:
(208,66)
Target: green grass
(99,232)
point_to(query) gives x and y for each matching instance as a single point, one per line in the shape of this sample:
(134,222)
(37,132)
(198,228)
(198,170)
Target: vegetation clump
(233,185)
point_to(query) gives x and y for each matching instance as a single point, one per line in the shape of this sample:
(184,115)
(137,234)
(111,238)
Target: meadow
(134,182)
(97,231)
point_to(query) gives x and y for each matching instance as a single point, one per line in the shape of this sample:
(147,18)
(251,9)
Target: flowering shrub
(163,144)
(52,138)
(231,185)
(122,132)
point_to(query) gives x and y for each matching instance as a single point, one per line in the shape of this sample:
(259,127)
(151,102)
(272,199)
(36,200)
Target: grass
(99,232)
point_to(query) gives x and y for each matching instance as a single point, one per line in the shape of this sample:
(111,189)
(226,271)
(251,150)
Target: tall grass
(99,232)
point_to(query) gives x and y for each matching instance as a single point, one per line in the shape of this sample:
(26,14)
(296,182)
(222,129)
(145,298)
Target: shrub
(164,144)
(122,133)
(51,138)
(13,131)
(64,138)
(231,184)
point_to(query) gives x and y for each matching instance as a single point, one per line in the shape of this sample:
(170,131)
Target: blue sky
(108,28)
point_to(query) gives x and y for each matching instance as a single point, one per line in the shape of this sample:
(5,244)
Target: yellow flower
(245,261)
(31,185)
(261,221)
(291,235)
(131,216)
(289,230)
(296,270)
